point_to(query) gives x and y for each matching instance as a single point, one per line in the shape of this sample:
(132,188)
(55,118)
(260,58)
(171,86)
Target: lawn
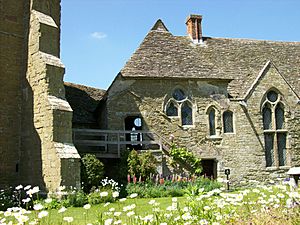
(274,204)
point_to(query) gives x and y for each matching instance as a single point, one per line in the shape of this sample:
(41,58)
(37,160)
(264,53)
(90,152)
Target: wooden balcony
(110,143)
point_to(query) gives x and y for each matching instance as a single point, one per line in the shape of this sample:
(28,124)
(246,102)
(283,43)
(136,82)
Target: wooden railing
(110,143)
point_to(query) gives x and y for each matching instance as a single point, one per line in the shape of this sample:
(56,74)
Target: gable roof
(163,55)
(84,101)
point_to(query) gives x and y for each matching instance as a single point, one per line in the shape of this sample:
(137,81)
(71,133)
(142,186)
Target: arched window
(279,116)
(267,117)
(273,125)
(186,114)
(179,94)
(212,121)
(180,105)
(172,110)
(228,122)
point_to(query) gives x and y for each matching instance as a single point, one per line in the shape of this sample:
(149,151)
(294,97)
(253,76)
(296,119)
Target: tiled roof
(162,54)
(84,101)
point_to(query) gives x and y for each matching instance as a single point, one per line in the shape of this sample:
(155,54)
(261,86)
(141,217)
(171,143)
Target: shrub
(171,188)
(141,164)
(92,171)
(185,159)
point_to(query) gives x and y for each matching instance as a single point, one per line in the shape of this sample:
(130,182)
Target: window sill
(186,127)
(274,168)
(232,133)
(214,137)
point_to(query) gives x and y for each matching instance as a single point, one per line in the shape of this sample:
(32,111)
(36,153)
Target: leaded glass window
(279,116)
(172,110)
(274,133)
(267,118)
(281,143)
(228,122)
(179,95)
(212,122)
(269,143)
(272,96)
(186,114)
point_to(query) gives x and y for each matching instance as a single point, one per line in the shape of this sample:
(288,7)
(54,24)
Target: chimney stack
(194,28)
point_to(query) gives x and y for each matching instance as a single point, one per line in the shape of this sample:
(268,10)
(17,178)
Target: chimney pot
(194,28)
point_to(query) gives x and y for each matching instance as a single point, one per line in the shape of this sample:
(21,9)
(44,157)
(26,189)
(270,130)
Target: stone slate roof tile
(162,54)
(84,101)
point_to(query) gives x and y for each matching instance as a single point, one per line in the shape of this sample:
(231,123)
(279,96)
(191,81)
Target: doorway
(134,124)
(209,168)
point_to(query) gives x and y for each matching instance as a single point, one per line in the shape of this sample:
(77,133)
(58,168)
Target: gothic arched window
(172,110)
(180,105)
(228,122)
(274,133)
(186,114)
(212,121)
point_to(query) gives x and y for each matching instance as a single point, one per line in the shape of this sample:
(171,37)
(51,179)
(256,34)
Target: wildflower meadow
(274,203)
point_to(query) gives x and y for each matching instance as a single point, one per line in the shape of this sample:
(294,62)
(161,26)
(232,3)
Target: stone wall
(36,131)
(241,151)
(14,16)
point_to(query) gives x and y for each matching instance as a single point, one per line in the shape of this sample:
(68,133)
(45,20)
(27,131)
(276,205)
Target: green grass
(83,216)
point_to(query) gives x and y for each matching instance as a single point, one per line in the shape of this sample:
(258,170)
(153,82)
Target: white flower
(7,213)
(103,194)
(27,187)
(112,209)
(163,224)
(48,200)
(108,221)
(174,199)
(38,207)
(26,200)
(42,214)
(19,187)
(62,209)
(122,199)
(131,213)
(106,204)
(133,195)
(115,194)
(151,202)
(206,208)
(118,222)
(68,219)
(87,206)
(117,213)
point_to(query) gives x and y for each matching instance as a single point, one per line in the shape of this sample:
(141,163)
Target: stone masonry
(36,145)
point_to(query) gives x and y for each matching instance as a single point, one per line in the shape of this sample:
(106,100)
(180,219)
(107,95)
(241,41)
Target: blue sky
(99,36)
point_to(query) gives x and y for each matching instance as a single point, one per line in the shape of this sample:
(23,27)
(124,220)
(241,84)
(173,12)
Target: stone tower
(35,119)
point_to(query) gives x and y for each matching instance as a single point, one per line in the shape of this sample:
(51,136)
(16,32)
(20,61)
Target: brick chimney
(194,28)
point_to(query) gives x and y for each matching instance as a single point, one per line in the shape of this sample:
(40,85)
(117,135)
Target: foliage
(273,204)
(141,164)
(186,159)
(171,188)
(92,171)
(9,198)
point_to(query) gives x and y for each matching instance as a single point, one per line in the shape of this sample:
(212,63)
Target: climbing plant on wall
(186,159)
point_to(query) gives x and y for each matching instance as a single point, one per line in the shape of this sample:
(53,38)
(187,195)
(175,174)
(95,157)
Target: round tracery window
(272,96)
(179,94)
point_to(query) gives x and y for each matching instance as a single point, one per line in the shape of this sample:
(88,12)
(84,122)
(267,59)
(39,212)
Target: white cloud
(98,35)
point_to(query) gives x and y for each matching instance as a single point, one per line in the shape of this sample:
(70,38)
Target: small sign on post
(227,172)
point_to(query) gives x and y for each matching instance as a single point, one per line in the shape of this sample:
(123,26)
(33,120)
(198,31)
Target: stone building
(35,119)
(233,102)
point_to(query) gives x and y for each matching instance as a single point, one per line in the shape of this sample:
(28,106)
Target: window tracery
(274,132)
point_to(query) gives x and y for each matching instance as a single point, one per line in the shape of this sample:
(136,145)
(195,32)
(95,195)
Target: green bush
(172,188)
(185,159)
(141,164)
(92,171)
